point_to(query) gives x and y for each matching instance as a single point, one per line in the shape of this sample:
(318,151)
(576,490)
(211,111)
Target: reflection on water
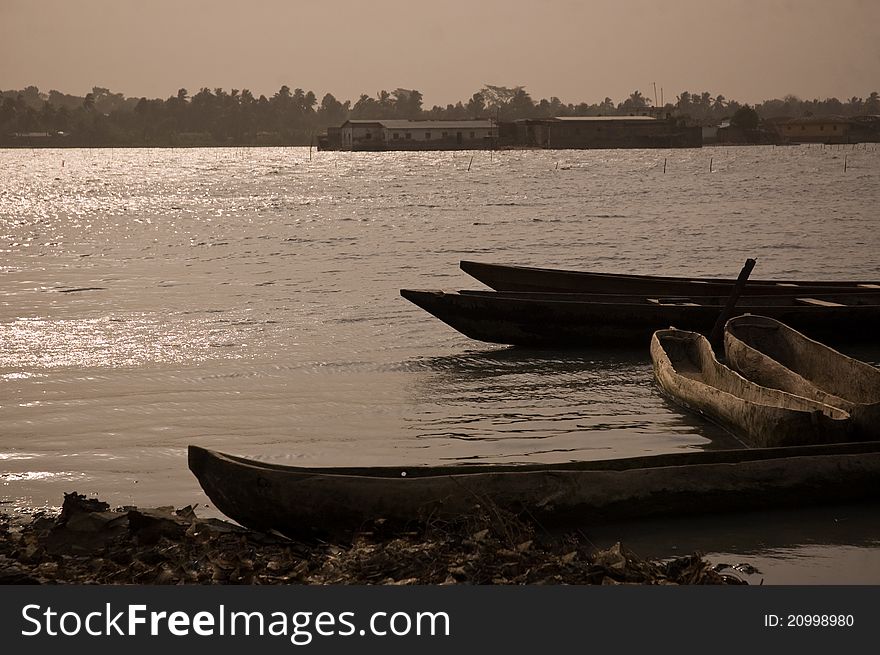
(520,405)
(837,544)
(248,301)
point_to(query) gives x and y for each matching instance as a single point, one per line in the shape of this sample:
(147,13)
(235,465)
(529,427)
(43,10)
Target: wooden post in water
(469,163)
(664,165)
(844,163)
(715,338)
(710,164)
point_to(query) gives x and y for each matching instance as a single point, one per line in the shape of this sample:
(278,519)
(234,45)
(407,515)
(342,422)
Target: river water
(247,300)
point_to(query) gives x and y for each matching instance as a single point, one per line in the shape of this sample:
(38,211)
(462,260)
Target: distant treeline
(217,117)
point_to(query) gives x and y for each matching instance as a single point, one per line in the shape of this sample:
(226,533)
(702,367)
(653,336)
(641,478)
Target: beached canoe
(526,278)
(303,501)
(775,355)
(685,367)
(549,322)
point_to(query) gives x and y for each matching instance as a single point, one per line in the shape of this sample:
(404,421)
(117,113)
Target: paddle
(715,338)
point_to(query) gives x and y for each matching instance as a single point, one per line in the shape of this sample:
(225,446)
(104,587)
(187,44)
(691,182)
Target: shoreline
(88,543)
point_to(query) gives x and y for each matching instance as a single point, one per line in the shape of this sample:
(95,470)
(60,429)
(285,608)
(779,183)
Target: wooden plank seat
(817,302)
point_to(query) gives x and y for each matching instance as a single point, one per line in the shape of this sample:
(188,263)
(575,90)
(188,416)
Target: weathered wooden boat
(569,323)
(845,298)
(526,278)
(685,367)
(302,501)
(775,355)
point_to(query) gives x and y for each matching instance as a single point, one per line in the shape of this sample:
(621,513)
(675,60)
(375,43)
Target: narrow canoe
(526,278)
(548,322)
(848,298)
(307,501)
(685,367)
(775,355)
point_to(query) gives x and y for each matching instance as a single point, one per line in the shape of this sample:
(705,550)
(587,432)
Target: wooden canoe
(307,501)
(685,367)
(526,278)
(548,322)
(775,355)
(847,298)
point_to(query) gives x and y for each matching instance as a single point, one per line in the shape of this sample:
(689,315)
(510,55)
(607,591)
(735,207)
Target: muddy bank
(88,543)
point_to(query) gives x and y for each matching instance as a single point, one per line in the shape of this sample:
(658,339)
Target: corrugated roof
(604,118)
(815,120)
(396,124)
(435,125)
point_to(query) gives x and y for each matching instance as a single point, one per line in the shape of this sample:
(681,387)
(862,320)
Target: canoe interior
(692,357)
(686,368)
(832,372)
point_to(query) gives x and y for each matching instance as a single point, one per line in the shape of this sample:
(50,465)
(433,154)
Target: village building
(766,133)
(709,133)
(581,132)
(397,134)
(34,139)
(562,132)
(816,129)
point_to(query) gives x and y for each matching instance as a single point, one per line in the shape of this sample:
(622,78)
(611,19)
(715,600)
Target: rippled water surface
(247,300)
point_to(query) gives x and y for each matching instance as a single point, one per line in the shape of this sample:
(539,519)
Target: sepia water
(247,300)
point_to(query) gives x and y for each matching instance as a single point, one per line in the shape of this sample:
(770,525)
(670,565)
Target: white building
(416,135)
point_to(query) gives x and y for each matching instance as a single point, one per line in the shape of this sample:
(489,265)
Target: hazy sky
(579,50)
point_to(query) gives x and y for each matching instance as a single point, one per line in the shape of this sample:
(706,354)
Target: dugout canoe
(545,321)
(307,501)
(840,298)
(775,355)
(686,369)
(503,277)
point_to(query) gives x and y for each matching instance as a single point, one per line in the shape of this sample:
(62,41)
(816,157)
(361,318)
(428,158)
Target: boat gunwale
(489,295)
(666,460)
(465,264)
(700,300)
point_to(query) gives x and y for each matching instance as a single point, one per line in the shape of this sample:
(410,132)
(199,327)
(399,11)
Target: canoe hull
(775,355)
(570,324)
(526,278)
(686,369)
(300,502)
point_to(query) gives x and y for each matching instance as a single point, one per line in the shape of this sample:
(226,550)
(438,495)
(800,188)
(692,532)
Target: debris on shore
(88,543)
